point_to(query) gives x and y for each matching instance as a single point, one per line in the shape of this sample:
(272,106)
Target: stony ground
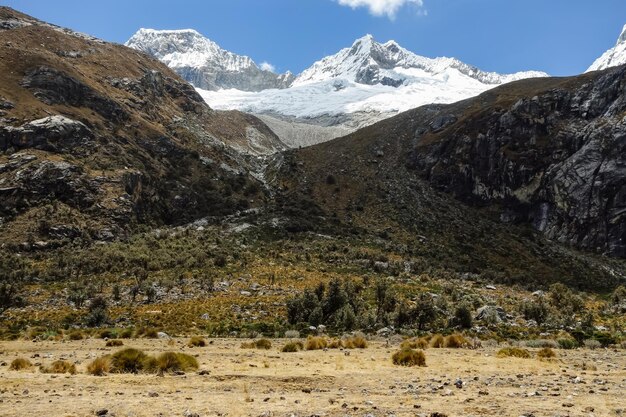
(242,382)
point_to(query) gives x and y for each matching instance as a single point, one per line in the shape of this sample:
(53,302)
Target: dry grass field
(233,381)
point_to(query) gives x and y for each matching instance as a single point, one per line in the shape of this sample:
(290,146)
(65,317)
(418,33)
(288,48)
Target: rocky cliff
(545,152)
(550,153)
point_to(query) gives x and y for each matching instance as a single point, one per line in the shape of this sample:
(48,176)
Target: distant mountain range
(355,87)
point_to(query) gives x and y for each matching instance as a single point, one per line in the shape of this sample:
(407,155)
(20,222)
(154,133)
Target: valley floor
(243,382)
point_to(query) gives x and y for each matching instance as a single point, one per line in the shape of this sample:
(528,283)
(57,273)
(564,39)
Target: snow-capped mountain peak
(622,37)
(358,85)
(614,56)
(203,62)
(370,62)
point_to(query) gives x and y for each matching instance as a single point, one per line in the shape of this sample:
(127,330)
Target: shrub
(196,341)
(565,300)
(546,353)
(455,341)
(567,343)
(263,344)
(536,310)
(59,367)
(592,344)
(335,344)
(114,343)
(128,360)
(513,352)
(292,347)
(106,334)
(315,343)
(437,341)
(463,317)
(75,335)
(126,334)
(99,366)
(409,357)
(151,333)
(173,362)
(10,295)
(257,344)
(20,363)
(97,313)
(605,339)
(355,342)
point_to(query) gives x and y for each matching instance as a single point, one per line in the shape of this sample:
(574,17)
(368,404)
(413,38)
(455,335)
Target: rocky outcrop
(53,133)
(555,159)
(52,86)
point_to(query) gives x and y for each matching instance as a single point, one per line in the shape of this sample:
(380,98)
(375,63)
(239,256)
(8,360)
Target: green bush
(409,357)
(567,343)
(463,317)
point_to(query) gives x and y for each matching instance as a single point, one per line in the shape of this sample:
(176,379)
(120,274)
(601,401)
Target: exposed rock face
(54,87)
(53,133)
(556,158)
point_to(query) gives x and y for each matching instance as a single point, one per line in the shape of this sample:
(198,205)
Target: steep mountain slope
(614,56)
(544,152)
(203,63)
(96,138)
(356,87)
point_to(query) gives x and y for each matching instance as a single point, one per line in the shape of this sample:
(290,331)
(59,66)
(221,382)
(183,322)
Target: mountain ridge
(203,62)
(614,56)
(357,86)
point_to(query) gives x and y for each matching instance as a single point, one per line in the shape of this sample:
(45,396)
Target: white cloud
(381,7)
(266,66)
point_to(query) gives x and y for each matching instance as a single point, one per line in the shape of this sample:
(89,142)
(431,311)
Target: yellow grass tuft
(409,357)
(315,343)
(196,341)
(100,366)
(513,352)
(59,367)
(19,364)
(546,353)
(355,342)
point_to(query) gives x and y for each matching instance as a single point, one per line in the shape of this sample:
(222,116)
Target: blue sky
(561,37)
